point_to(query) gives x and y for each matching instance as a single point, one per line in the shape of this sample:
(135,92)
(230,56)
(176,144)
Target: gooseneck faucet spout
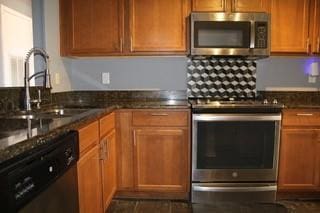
(45,74)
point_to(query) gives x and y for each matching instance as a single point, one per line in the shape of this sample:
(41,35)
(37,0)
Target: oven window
(235,145)
(209,34)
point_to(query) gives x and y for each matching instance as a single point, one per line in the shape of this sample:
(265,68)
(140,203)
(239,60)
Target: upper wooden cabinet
(290,26)
(209,5)
(91,27)
(123,27)
(158,26)
(231,5)
(315,26)
(251,5)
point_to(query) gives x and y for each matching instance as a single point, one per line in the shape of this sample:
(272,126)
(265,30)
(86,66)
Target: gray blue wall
(169,73)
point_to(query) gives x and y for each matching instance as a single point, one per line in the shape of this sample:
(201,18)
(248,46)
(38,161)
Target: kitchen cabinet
(315,26)
(251,6)
(108,158)
(123,27)
(231,5)
(88,170)
(158,26)
(300,151)
(91,27)
(161,159)
(290,26)
(154,153)
(299,161)
(210,5)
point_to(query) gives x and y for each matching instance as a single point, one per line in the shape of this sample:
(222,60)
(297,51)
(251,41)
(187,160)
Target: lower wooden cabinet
(89,182)
(161,159)
(299,166)
(108,166)
(299,160)
(96,167)
(153,157)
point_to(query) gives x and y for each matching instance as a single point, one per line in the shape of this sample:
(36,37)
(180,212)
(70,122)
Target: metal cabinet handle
(121,45)
(304,114)
(131,45)
(159,114)
(134,138)
(308,46)
(103,149)
(106,151)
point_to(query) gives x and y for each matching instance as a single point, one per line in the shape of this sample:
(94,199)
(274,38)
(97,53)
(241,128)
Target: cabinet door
(125,167)
(209,5)
(158,26)
(94,27)
(315,25)
(251,5)
(299,161)
(290,26)
(108,167)
(89,182)
(161,157)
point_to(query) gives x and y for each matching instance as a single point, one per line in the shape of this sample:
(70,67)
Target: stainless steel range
(235,150)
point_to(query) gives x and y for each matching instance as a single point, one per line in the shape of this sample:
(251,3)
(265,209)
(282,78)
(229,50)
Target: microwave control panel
(261,34)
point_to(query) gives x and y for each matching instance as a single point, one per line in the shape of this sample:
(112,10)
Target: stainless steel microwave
(230,34)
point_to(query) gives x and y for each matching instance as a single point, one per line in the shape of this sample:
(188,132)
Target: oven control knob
(265,101)
(275,101)
(234,174)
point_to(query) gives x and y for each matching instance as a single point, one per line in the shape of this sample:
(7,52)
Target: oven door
(235,147)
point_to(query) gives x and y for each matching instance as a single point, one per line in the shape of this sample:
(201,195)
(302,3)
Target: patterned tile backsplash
(221,78)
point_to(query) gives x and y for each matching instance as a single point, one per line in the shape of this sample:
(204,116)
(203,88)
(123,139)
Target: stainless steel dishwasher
(45,181)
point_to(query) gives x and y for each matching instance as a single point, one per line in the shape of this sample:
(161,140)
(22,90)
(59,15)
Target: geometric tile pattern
(221,78)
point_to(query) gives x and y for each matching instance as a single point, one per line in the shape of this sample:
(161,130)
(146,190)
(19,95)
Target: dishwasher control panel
(34,174)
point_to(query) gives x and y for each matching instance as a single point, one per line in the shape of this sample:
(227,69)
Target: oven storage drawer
(208,193)
(160,118)
(301,117)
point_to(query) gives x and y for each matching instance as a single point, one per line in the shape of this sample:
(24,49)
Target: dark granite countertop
(15,142)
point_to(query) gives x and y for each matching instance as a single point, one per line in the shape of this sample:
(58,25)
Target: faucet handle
(37,101)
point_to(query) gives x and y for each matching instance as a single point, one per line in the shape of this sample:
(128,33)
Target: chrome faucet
(45,74)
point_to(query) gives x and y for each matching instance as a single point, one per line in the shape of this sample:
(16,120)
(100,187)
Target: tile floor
(153,206)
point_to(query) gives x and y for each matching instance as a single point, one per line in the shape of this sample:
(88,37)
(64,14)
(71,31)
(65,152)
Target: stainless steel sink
(46,114)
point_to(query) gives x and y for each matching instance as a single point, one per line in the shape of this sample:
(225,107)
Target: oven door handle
(234,189)
(237,117)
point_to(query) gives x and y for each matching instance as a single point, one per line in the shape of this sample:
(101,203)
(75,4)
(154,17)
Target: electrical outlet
(106,78)
(57,78)
(312,79)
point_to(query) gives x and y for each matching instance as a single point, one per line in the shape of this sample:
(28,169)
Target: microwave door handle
(252,35)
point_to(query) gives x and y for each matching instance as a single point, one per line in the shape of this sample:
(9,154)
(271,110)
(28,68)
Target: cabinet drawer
(301,117)
(160,118)
(107,123)
(88,136)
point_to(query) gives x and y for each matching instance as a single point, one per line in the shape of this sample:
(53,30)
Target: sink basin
(46,114)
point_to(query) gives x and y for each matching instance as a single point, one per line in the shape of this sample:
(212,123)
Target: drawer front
(107,123)
(160,118)
(301,117)
(88,136)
